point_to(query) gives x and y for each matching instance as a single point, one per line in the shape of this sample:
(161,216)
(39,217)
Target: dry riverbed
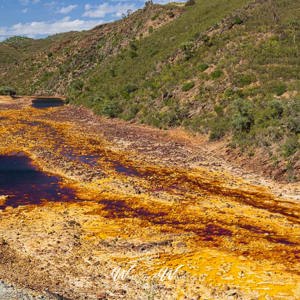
(139,213)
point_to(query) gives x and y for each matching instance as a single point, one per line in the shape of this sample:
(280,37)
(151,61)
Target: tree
(148,3)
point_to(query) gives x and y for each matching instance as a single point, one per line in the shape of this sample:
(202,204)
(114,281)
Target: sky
(40,18)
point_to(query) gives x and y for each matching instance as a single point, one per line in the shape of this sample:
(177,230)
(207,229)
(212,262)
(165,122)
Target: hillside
(229,69)
(47,66)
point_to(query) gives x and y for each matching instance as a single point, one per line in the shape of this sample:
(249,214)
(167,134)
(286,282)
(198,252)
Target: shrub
(133,46)
(244,80)
(242,123)
(266,116)
(130,112)
(279,89)
(188,86)
(190,3)
(293,123)
(7,91)
(216,74)
(233,93)
(291,146)
(77,85)
(112,72)
(150,29)
(130,88)
(229,93)
(276,109)
(218,129)
(188,50)
(292,112)
(108,107)
(237,21)
(133,54)
(153,18)
(206,40)
(243,119)
(203,67)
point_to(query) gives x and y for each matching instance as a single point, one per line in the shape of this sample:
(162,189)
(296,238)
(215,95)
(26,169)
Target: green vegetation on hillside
(47,66)
(230,69)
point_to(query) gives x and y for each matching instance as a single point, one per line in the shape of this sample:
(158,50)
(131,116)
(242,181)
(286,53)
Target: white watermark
(164,274)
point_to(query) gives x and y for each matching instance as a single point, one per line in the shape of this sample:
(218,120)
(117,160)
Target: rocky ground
(10,292)
(155,215)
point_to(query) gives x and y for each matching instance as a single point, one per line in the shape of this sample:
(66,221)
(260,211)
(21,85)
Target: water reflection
(47,102)
(21,183)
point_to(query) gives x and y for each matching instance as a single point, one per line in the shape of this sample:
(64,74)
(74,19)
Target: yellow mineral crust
(228,238)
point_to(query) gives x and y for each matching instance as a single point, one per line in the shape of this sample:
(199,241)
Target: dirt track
(146,200)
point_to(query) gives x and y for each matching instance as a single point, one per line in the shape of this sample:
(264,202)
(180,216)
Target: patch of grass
(188,86)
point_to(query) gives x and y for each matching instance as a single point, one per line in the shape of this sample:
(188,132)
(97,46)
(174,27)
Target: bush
(279,89)
(188,50)
(133,54)
(108,107)
(130,88)
(237,21)
(133,46)
(203,67)
(291,146)
(190,3)
(244,80)
(150,29)
(77,85)
(218,129)
(219,110)
(243,119)
(266,116)
(292,113)
(242,123)
(233,93)
(112,72)
(130,112)
(276,109)
(7,91)
(293,124)
(188,86)
(153,18)
(216,74)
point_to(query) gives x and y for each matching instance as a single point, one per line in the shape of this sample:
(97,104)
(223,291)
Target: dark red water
(24,184)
